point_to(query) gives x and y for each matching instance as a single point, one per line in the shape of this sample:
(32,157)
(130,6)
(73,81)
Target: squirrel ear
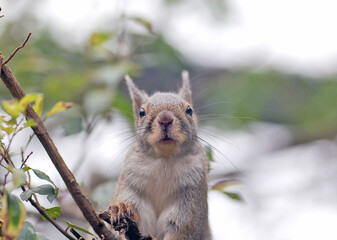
(138,96)
(185,91)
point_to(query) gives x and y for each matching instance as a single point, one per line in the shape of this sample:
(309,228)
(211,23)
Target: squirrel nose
(165,120)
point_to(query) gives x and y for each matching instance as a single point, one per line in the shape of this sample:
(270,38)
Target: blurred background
(264,80)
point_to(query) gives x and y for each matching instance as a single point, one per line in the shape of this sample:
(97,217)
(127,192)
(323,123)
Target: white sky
(291,35)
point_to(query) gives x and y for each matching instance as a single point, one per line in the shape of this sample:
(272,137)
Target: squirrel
(164,174)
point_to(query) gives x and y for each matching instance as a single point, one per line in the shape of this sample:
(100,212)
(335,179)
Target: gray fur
(168,191)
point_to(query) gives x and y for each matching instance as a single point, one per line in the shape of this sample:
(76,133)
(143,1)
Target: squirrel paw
(124,220)
(121,215)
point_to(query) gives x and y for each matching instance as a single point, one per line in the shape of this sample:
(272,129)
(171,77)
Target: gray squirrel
(164,174)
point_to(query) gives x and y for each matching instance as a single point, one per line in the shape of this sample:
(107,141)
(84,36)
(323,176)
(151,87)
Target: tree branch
(17,49)
(41,132)
(43,213)
(52,221)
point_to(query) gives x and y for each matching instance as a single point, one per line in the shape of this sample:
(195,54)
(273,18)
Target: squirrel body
(164,174)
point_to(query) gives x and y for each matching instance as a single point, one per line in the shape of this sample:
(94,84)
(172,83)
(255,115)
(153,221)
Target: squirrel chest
(156,184)
(158,180)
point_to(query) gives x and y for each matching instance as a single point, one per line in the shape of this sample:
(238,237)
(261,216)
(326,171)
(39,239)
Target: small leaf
(13,215)
(12,108)
(143,22)
(209,155)
(234,196)
(26,168)
(27,232)
(29,98)
(225,184)
(19,177)
(8,130)
(53,212)
(97,39)
(30,123)
(59,107)
(38,105)
(70,225)
(26,195)
(42,175)
(46,189)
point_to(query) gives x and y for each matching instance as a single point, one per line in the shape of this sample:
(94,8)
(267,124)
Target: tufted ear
(138,96)
(185,91)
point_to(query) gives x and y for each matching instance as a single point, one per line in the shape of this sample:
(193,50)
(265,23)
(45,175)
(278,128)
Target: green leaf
(225,184)
(12,108)
(29,98)
(97,39)
(26,195)
(59,107)
(42,176)
(13,215)
(8,130)
(46,189)
(26,168)
(27,232)
(30,123)
(70,225)
(38,105)
(209,155)
(234,196)
(19,177)
(53,212)
(143,22)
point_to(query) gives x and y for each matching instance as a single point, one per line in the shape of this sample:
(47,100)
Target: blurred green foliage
(308,106)
(91,76)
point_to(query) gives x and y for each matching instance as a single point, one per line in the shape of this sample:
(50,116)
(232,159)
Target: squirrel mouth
(166,138)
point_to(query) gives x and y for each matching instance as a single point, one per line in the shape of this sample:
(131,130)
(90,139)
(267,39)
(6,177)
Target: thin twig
(43,213)
(25,160)
(29,140)
(75,233)
(5,181)
(1,60)
(13,135)
(17,49)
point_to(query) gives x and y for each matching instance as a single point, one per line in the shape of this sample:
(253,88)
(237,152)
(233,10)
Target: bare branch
(17,49)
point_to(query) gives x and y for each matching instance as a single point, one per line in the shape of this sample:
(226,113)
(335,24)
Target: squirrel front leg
(188,218)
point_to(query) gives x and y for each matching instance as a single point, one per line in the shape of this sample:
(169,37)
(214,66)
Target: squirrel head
(165,122)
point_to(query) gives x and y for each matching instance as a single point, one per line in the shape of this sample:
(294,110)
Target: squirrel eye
(189,111)
(142,112)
